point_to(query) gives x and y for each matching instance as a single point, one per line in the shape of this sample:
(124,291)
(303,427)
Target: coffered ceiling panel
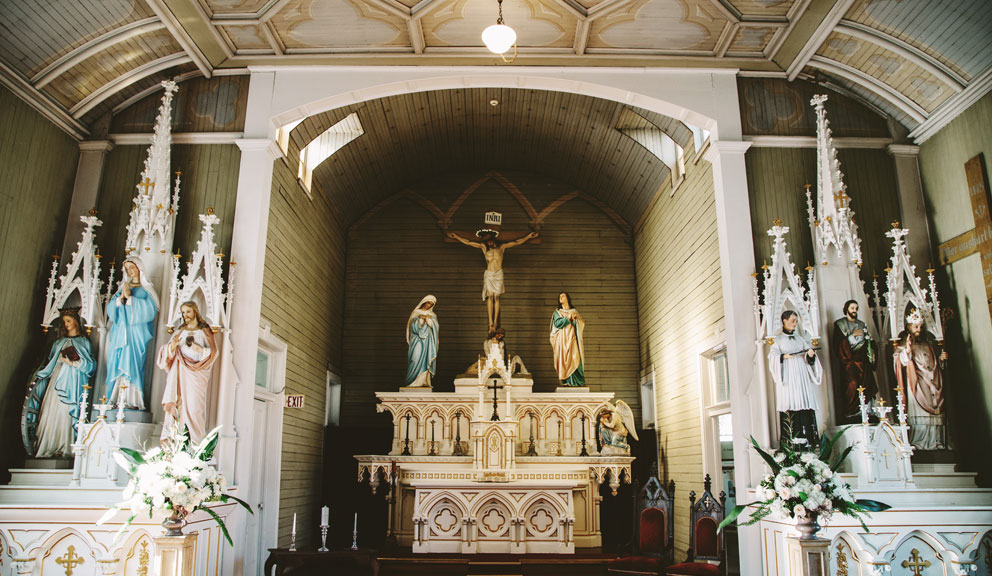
(752,40)
(316,25)
(538,23)
(690,26)
(762,8)
(231,7)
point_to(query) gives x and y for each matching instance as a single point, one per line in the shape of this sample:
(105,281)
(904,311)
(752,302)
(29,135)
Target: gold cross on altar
(916,565)
(146,184)
(99,456)
(886,455)
(842,198)
(69,560)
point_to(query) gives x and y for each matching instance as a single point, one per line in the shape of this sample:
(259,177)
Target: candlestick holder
(323,538)
(354,539)
(292,541)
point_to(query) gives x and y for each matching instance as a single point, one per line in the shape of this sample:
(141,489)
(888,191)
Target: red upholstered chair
(653,532)
(705,544)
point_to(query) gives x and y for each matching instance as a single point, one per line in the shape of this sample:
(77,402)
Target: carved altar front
(462,481)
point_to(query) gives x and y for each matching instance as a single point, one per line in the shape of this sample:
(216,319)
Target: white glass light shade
(498,38)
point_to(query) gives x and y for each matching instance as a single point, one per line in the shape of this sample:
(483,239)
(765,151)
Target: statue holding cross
(492,249)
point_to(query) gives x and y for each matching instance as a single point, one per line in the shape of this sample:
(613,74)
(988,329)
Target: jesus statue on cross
(492,284)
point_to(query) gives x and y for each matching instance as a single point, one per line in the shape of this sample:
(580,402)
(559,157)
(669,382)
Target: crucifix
(146,184)
(406,443)
(495,387)
(532,451)
(458,435)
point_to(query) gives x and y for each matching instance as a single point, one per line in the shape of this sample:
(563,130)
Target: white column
(86,190)
(733,215)
(251,220)
(912,205)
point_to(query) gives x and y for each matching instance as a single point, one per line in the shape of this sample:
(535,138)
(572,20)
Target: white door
(256,554)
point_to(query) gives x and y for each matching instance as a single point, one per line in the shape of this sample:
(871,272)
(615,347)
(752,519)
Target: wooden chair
(653,532)
(705,555)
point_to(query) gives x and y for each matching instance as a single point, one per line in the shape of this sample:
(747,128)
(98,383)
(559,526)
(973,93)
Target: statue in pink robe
(188,360)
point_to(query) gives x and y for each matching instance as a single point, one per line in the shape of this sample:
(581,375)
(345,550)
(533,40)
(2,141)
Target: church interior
(722,242)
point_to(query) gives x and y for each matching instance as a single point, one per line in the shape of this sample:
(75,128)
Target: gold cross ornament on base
(69,560)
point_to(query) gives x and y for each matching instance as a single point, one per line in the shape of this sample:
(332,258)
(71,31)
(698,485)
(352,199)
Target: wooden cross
(146,184)
(69,560)
(886,455)
(916,565)
(494,388)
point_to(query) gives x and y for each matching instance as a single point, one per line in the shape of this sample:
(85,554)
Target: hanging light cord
(499,20)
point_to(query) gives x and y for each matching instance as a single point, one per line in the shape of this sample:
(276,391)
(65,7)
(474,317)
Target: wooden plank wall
(201,105)
(775,179)
(680,310)
(399,254)
(37,171)
(302,297)
(209,178)
(969,333)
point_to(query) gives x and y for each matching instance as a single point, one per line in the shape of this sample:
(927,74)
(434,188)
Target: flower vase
(173,525)
(808,527)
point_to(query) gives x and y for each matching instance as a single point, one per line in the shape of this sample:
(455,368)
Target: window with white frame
(647,399)
(282,136)
(322,147)
(717,423)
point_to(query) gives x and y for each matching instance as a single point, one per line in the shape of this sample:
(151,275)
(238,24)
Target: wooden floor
(582,563)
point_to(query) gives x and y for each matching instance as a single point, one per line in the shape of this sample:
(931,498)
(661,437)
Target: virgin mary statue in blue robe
(132,325)
(421,338)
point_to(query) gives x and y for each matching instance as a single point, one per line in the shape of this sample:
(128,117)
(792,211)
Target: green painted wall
(680,313)
(302,299)
(969,334)
(37,171)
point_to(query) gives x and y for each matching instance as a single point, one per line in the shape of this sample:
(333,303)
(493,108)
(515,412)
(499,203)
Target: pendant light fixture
(499,37)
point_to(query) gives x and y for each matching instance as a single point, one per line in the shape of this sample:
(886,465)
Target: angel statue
(613,431)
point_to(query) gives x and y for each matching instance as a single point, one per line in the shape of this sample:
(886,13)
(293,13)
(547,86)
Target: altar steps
(578,564)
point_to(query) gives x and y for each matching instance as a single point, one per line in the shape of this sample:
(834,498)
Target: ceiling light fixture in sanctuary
(499,37)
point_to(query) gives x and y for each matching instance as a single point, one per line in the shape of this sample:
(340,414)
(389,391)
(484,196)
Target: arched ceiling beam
(93,99)
(884,91)
(907,51)
(94,46)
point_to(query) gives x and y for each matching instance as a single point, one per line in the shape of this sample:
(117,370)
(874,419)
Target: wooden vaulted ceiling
(912,59)
(413,137)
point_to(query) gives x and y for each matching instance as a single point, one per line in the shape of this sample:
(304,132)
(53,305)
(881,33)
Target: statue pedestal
(572,390)
(809,557)
(175,555)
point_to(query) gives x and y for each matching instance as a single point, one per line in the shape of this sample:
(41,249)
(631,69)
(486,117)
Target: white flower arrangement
(174,480)
(803,486)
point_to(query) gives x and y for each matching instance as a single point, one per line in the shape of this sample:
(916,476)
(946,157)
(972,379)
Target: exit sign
(295,400)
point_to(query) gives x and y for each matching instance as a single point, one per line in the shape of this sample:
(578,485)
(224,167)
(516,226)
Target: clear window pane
(721,384)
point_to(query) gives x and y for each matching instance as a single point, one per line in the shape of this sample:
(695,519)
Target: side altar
(495,467)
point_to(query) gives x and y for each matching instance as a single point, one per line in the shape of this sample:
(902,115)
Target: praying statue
(188,360)
(51,408)
(613,430)
(492,282)
(421,338)
(797,372)
(566,342)
(131,314)
(919,366)
(854,353)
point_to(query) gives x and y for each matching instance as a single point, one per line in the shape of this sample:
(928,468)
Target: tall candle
(294,523)
(324,512)
(355,529)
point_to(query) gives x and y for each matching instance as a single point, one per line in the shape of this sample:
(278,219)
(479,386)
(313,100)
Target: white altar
(463,481)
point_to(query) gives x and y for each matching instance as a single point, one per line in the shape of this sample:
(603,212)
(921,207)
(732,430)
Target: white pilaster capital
(903,150)
(96,145)
(256,144)
(726,147)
